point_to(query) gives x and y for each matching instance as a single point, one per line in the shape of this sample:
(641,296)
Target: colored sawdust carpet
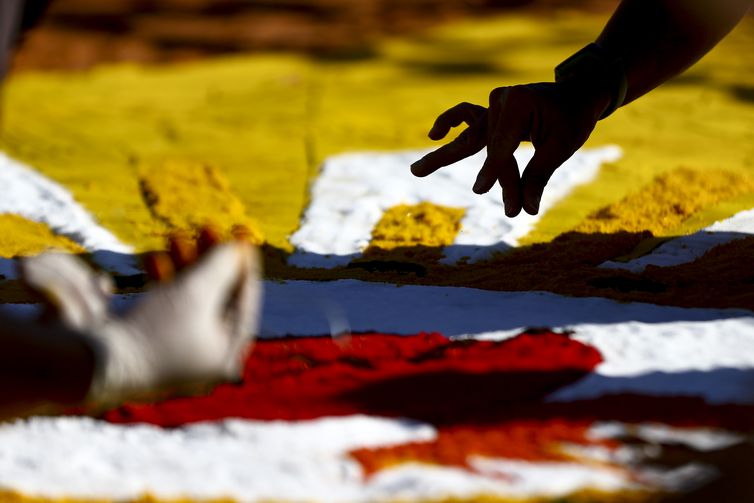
(639,264)
(424,377)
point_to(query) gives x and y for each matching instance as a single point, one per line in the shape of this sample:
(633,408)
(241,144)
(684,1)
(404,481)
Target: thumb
(78,294)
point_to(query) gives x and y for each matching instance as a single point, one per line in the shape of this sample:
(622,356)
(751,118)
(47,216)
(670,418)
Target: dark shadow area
(732,482)
(157,31)
(452,398)
(694,78)
(568,265)
(627,285)
(449,398)
(742,93)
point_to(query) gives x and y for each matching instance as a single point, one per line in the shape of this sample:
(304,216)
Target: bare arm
(659,39)
(654,40)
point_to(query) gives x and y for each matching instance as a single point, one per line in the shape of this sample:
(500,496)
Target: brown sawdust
(78,34)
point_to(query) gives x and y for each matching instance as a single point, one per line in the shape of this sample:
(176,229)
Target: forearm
(41,365)
(658,39)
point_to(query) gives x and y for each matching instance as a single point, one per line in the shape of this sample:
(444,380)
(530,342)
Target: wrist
(123,368)
(598,75)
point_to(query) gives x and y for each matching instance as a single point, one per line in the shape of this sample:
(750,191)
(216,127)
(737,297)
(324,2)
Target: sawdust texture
(22,237)
(421,224)
(424,226)
(270,120)
(587,496)
(16,497)
(92,132)
(567,265)
(188,195)
(667,201)
(522,440)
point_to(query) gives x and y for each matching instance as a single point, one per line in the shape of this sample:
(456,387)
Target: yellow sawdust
(268,121)
(419,224)
(667,201)
(93,131)
(21,237)
(416,233)
(188,195)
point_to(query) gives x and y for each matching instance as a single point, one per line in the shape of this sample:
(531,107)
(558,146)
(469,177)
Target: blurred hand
(192,330)
(556,118)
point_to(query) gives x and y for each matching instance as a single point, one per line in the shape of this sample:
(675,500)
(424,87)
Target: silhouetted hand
(556,118)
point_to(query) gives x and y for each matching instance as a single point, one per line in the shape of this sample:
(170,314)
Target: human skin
(656,40)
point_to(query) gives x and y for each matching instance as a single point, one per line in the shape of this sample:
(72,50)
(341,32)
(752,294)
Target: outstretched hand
(556,118)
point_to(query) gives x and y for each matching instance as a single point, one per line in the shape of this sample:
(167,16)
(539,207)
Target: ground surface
(648,354)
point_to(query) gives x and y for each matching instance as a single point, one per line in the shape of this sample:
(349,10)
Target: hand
(193,329)
(556,118)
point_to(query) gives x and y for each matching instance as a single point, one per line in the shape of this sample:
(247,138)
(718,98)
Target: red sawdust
(485,398)
(425,377)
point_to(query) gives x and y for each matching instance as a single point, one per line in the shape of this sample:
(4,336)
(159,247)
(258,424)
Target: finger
(182,250)
(486,178)
(209,236)
(510,182)
(159,266)
(468,143)
(508,121)
(219,273)
(546,159)
(454,117)
(72,292)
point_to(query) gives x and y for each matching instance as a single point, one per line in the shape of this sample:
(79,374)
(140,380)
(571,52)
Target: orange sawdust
(189,195)
(520,440)
(667,201)
(21,237)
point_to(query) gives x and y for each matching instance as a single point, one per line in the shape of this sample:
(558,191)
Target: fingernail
(531,207)
(417,167)
(511,211)
(478,186)
(531,204)
(483,185)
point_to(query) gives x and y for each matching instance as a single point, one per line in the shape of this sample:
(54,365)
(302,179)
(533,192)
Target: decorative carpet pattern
(397,359)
